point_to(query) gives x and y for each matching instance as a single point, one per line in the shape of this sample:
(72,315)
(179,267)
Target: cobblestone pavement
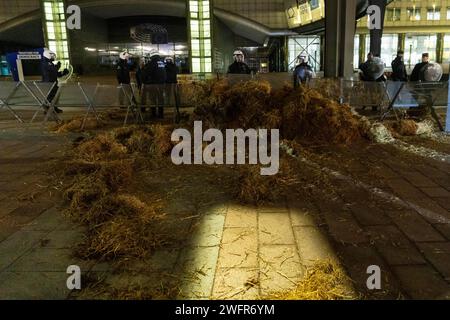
(244,252)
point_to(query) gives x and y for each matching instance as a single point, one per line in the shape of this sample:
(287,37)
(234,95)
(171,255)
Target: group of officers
(368,69)
(156,77)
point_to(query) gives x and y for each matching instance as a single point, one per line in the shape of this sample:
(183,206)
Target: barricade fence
(45,97)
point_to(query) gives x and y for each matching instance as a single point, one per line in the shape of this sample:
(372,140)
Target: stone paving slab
(438,253)
(444,229)
(41,259)
(239,248)
(17,245)
(394,246)
(280,268)
(197,267)
(313,245)
(239,216)
(275,228)
(414,226)
(369,215)
(33,286)
(422,282)
(236,284)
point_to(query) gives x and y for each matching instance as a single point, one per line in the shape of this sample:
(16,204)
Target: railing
(385,96)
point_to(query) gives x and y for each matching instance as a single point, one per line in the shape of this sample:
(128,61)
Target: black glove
(65,72)
(58,65)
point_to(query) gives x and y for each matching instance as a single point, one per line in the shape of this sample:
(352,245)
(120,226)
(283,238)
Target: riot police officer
(303,71)
(418,71)
(51,73)
(239,66)
(399,68)
(154,79)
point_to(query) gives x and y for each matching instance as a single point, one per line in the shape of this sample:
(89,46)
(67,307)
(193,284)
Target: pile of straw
(302,114)
(325,280)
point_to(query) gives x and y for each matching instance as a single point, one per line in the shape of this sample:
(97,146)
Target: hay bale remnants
(120,224)
(75,125)
(325,280)
(256,189)
(405,127)
(302,114)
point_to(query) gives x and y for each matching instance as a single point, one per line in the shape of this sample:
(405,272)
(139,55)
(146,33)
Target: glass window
(356,53)
(446,55)
(416,45)
(389,47)
(448,13)
(434,14)
(393,14)
(309,45)
(196,65)
(413,14)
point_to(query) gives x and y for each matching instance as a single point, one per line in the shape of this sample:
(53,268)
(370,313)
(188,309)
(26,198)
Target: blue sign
(314,4)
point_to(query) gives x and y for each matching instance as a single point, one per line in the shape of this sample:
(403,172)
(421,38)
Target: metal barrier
(425,95)
(386,96)
(358,94)
(25,94)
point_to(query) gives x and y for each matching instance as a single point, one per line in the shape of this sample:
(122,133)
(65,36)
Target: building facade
(414,26)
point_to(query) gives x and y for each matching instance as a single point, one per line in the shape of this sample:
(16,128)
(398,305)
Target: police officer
(139,71)
(239,66)
(51,73)
(123,74)
(399,68)
(303,71)
(418,71)
(154,79)
(373,64)
(172,84)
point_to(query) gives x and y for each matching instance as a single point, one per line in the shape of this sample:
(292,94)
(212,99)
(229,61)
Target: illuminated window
(55,29)
(434,14)
(200,35)
(413,14)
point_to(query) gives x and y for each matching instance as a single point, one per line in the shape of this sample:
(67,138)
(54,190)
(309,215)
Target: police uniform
(154,78)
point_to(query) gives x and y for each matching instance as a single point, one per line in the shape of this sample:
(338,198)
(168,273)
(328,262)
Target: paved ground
(245,252)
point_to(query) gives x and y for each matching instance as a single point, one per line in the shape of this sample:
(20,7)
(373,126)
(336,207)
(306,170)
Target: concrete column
(401,41)
(362,48)
(439,47)
(377,34)
(340,17)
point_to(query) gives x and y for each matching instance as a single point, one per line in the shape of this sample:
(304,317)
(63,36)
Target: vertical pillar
(377,34)
(439,47)
(401,41)
(55,30)
(340,16)
(362,48)
(200,35)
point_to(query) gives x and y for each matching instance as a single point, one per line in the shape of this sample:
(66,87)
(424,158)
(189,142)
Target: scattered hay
(309,115)
(82,196)
(75,124)
(123,237)
(99,287)
(325,280)
(224,106)
(299,113)
(254,188)
(380,134)
(406,127)
(102,147)
(426,127)
(162,144)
